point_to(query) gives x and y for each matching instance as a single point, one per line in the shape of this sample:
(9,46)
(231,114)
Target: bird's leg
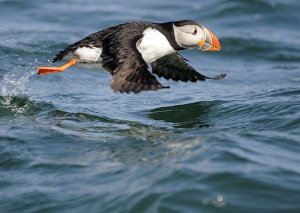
(48,70)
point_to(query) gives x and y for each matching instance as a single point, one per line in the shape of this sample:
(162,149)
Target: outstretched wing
(121,57)
(174,67)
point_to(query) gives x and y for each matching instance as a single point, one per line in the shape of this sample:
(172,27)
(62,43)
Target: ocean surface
(68,143)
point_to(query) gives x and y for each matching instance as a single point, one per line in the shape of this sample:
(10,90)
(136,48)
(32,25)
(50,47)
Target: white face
(189,36)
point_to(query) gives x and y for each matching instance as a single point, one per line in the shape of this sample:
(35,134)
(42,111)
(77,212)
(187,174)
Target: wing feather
(121,58)
(174,66)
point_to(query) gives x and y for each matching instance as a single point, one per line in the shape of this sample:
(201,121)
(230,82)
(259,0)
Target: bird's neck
(168,31)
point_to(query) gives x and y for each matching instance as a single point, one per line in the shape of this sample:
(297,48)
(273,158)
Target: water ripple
(69,144)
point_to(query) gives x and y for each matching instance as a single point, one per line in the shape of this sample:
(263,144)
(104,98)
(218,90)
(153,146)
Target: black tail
(56,58)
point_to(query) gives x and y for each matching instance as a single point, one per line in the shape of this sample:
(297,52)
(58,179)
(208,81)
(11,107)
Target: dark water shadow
(22,105)
(192,115)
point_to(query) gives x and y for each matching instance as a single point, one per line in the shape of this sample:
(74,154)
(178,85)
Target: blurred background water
(69,144)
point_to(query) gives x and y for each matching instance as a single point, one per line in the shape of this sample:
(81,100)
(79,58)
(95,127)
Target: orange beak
(210,42)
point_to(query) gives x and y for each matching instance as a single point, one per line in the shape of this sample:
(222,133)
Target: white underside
(87,57)
(153,45)
(88,54)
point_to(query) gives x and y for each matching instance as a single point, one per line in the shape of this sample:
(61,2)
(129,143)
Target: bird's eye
(195,32)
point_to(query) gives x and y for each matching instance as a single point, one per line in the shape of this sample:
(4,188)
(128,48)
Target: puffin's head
(189,35)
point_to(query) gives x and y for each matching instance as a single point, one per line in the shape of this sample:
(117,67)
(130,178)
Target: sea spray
(14,84)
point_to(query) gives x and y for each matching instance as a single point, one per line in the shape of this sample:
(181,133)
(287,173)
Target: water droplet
(220,198)
(218,201)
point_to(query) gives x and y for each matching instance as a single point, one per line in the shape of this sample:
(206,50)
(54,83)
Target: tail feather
(64,55)
(59,56)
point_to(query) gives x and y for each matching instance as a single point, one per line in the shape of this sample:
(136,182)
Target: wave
(14,105)
(259,49)
(191,115)
(258,11)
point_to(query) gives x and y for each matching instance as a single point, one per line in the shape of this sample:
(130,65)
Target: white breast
(153,45)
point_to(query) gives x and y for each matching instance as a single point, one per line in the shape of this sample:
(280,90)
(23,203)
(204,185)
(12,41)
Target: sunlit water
(69,144)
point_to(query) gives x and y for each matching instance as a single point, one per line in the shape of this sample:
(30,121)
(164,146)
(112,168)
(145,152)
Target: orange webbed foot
(49,70)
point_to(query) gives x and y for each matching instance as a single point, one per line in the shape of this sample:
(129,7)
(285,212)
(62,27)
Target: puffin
(127,50)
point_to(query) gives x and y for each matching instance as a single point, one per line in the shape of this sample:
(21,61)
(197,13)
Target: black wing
(121,57)
(174,67)
(94,40)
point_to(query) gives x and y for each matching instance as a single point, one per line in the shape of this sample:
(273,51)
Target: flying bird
(126,50)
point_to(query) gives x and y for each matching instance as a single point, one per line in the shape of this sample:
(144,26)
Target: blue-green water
(69,144)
